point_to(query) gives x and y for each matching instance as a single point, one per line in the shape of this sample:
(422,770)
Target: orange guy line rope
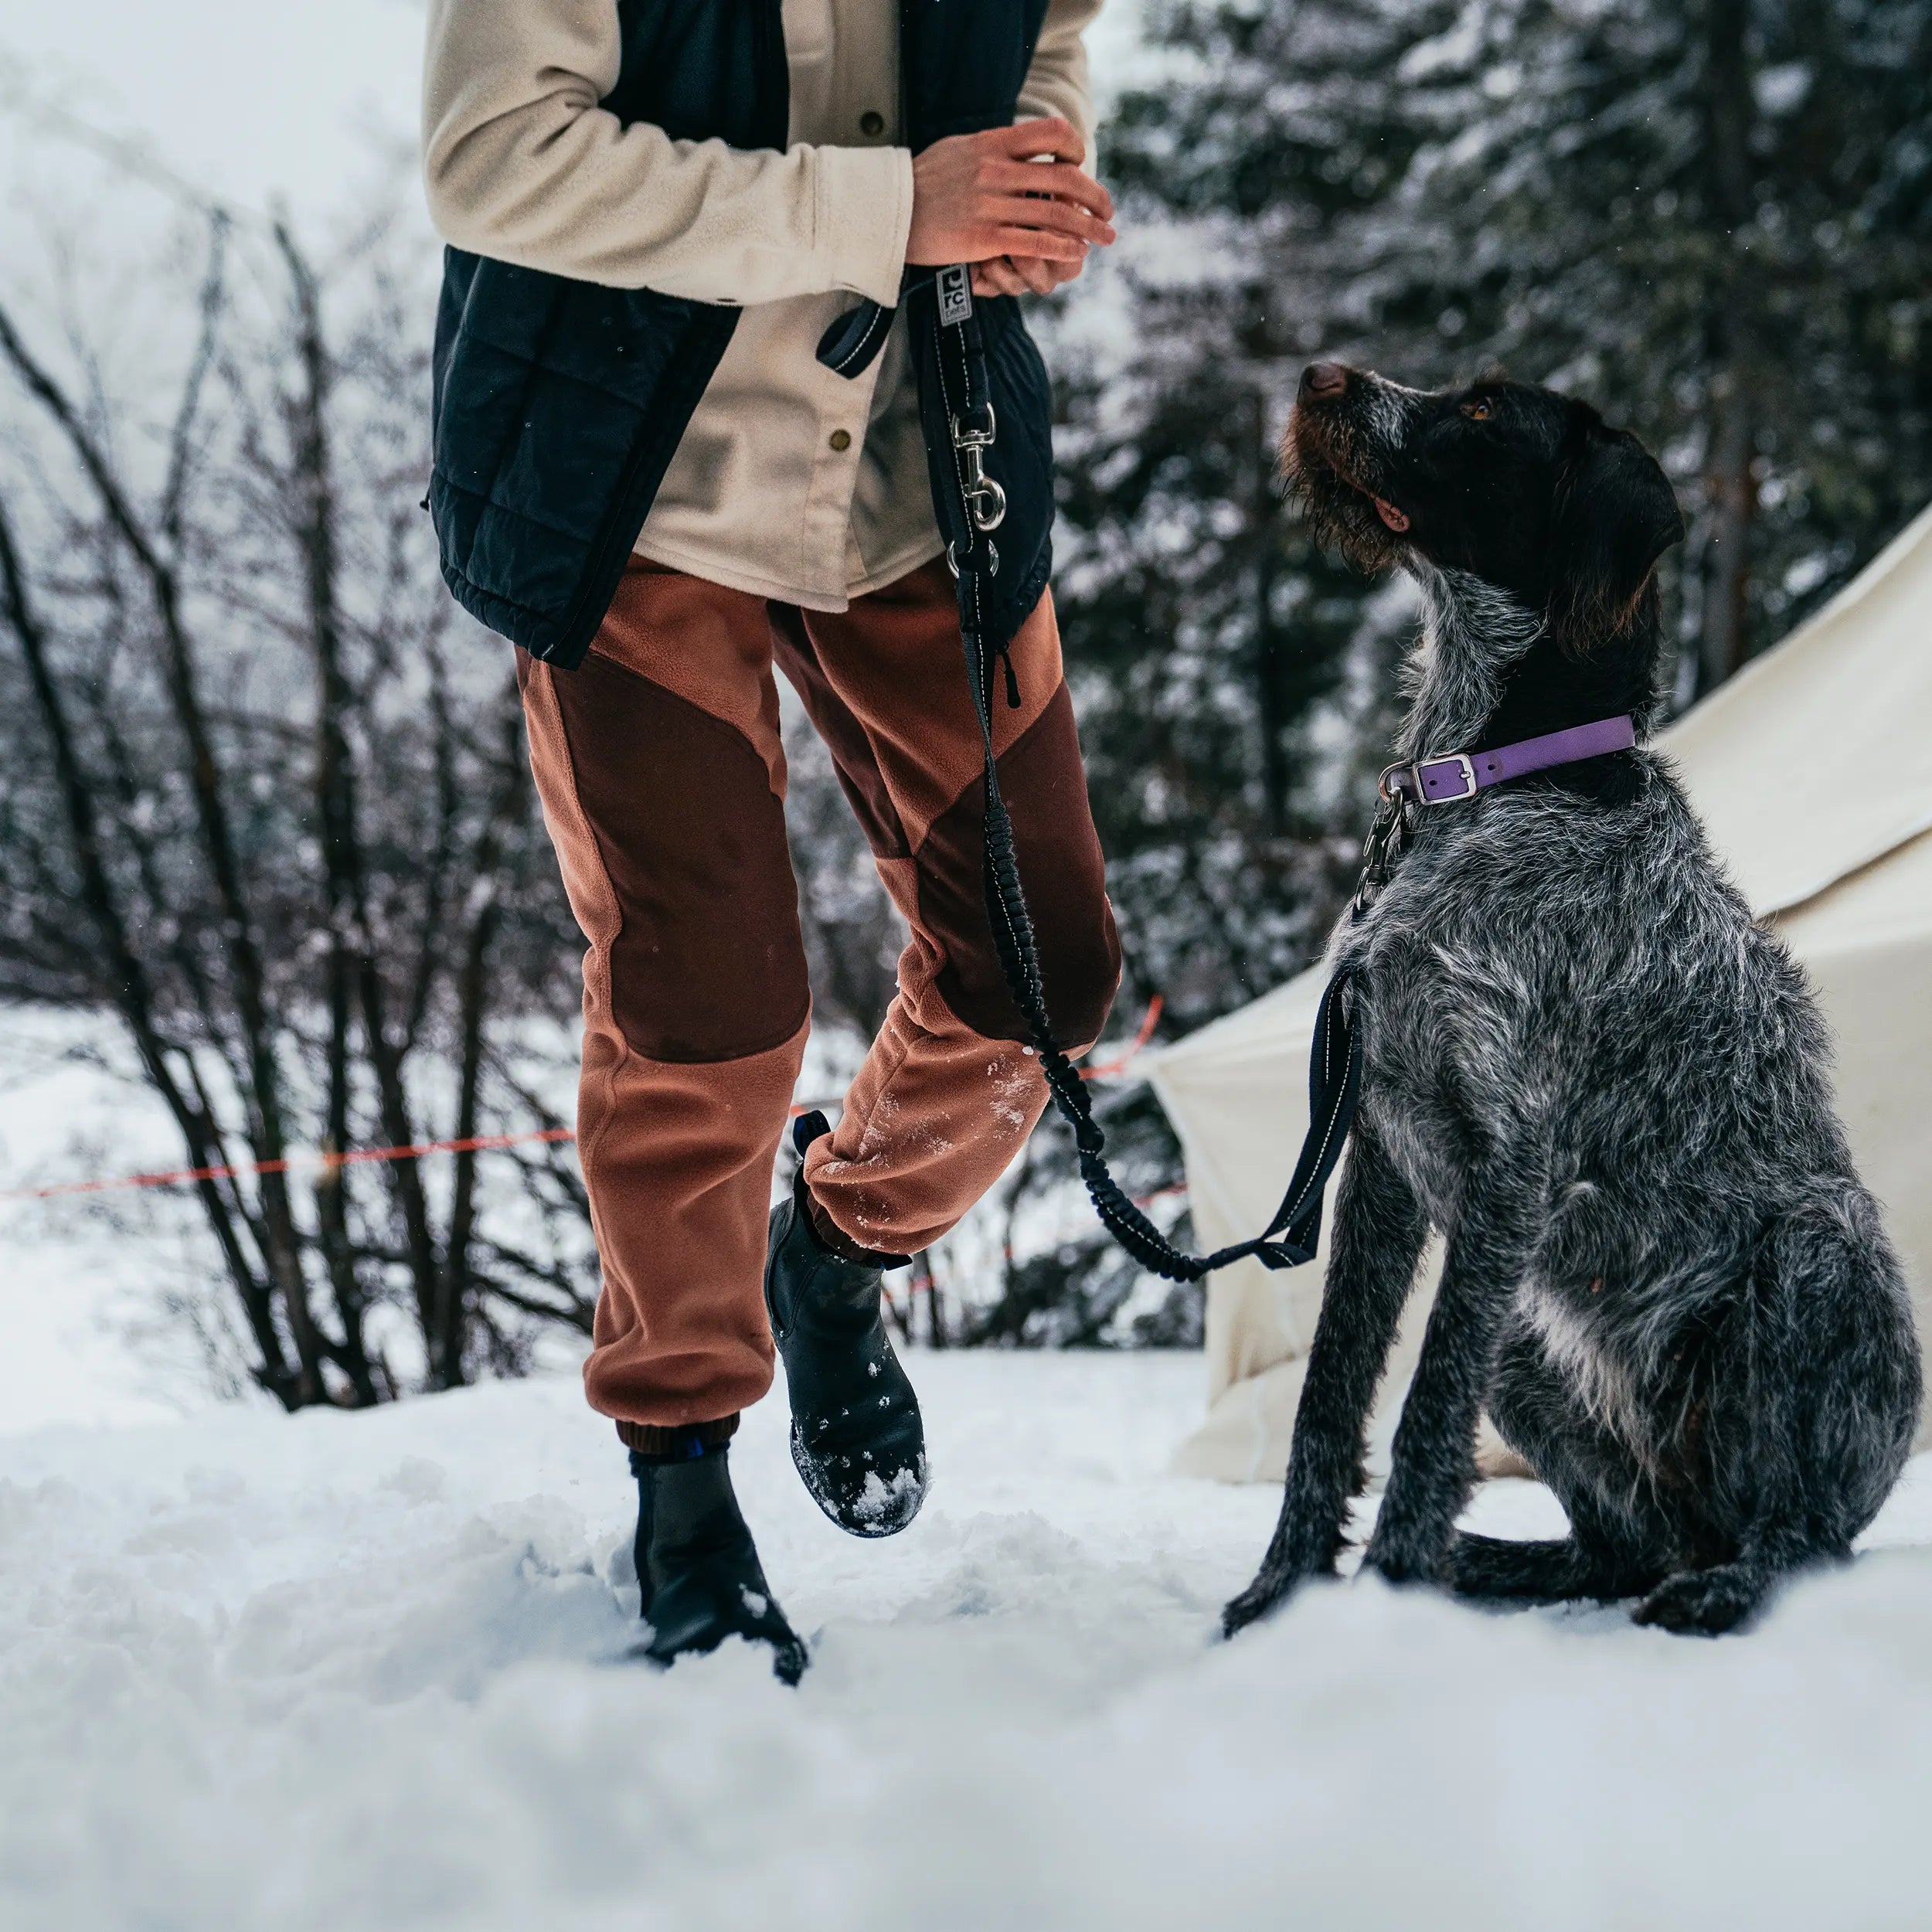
(1149,1020)
(472,1144)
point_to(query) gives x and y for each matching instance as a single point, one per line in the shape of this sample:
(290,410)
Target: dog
(1587,1066)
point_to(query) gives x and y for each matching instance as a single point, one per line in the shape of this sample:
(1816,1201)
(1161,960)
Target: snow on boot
(856,1434)
(697,1568)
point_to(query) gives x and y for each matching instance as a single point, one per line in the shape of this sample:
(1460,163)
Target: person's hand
(979,198)
(1022,275)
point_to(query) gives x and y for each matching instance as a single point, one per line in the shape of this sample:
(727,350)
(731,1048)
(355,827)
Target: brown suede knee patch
(1065,876)
(709,964)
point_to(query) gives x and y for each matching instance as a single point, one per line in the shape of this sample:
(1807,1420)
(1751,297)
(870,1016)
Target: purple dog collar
(1453,776)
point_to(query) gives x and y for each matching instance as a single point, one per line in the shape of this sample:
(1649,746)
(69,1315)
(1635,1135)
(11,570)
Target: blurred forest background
(263,806)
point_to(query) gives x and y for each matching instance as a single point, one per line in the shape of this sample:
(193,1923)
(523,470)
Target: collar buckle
(1430,772)
(1424,782)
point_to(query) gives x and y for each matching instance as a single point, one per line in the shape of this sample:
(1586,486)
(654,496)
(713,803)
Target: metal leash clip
(985,501)
(1387,834)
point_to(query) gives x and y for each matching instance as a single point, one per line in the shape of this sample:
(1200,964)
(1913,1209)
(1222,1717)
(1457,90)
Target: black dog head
(1530,491)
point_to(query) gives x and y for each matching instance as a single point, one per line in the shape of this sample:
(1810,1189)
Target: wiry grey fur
(1607,1087)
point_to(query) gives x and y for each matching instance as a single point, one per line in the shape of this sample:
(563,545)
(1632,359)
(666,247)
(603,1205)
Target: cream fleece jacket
(791,481)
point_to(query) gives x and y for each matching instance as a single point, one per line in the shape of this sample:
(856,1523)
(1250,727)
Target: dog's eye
(1476,412)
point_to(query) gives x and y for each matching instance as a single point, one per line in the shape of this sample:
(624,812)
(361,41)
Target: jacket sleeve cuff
(864,215)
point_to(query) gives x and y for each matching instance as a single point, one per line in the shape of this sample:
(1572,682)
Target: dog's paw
(1397,1560)
(1269,1591)
(1398,1571)
(1703,1603)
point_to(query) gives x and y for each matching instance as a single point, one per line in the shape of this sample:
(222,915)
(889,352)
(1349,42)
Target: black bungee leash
(1335,1062)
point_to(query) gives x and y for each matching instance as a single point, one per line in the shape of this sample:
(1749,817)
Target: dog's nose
(1324,379)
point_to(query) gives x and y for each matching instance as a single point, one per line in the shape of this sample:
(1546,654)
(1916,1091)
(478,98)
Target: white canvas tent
(1813,771)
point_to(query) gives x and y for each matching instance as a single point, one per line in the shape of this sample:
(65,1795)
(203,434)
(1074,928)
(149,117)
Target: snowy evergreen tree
(1714,220)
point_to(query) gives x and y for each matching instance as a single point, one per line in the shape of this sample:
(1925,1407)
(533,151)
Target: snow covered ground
(354,1672)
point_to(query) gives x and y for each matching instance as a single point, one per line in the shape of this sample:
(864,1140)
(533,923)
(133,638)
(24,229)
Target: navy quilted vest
(559,404)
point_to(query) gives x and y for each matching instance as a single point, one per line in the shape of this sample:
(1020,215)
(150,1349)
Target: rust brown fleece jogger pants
(662,778)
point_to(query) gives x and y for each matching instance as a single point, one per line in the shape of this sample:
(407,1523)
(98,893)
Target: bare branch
(180,442)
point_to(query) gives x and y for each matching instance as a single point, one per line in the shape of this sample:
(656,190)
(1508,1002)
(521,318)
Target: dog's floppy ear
(1616,515)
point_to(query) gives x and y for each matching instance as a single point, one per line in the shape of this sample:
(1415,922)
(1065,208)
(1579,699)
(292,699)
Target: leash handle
(1335,1062)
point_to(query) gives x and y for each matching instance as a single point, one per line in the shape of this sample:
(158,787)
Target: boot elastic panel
(857,1436)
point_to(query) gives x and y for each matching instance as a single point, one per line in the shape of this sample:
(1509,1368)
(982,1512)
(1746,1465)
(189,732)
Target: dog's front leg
(1433,1466)
(1379,1229)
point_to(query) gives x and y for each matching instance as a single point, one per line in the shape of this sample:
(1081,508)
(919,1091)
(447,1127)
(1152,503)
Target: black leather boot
(856,1434)
(697,1568)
